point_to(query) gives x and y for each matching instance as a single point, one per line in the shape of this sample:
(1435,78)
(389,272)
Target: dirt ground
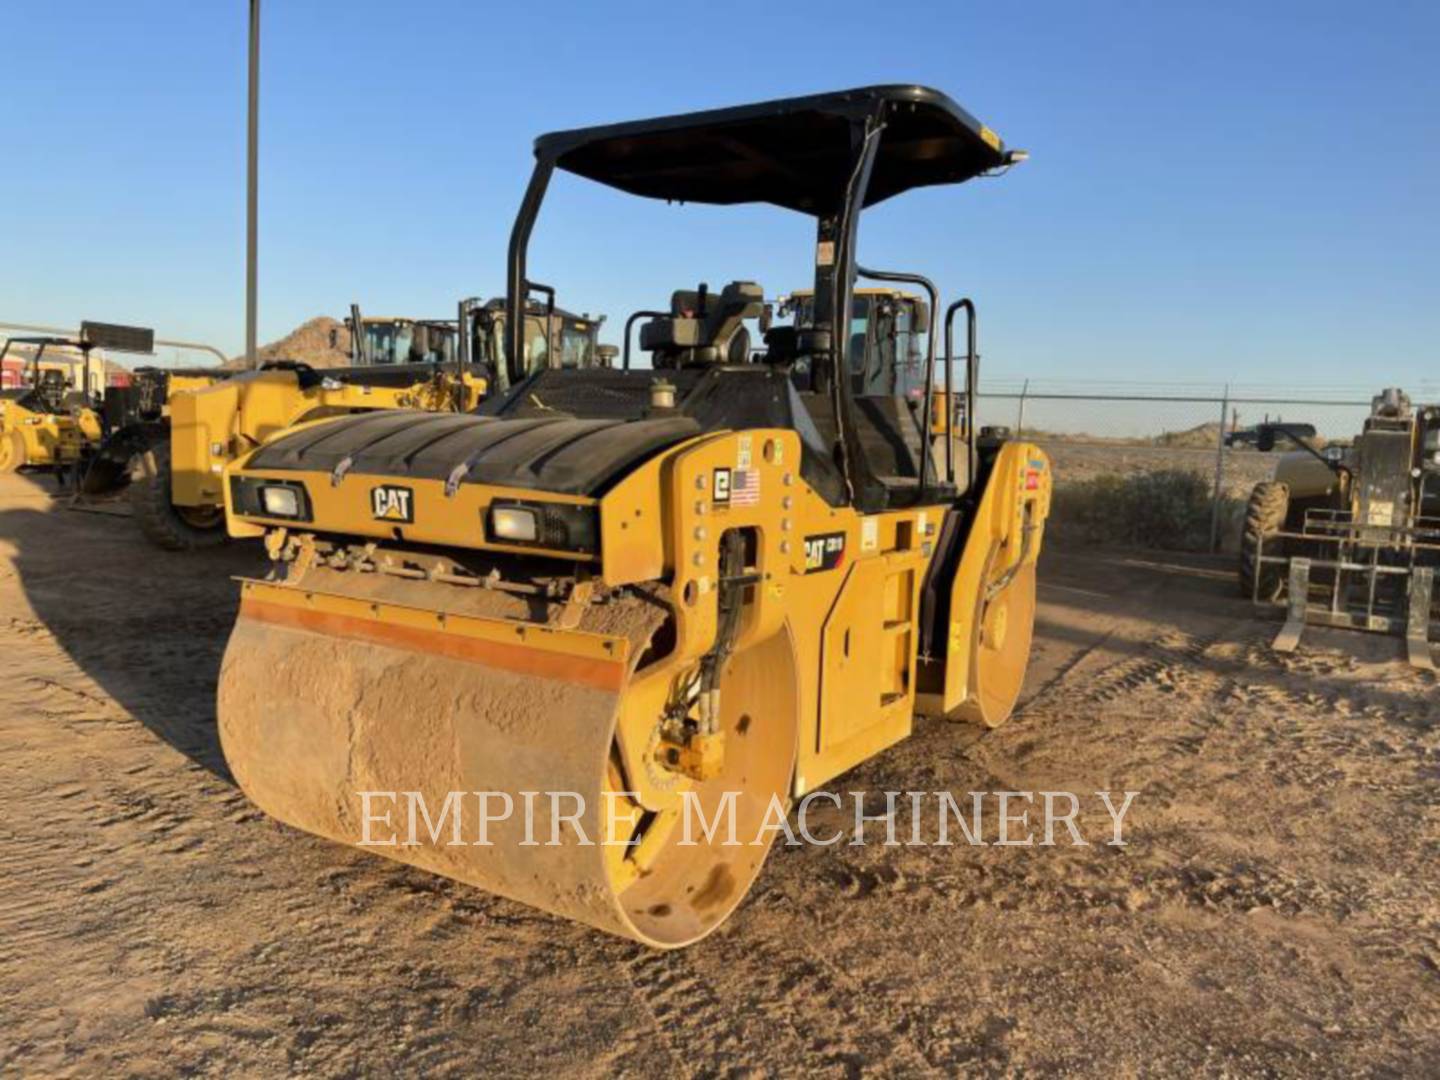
(1274,912)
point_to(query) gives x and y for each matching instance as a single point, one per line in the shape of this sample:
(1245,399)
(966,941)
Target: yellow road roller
(51,418)
(578,646)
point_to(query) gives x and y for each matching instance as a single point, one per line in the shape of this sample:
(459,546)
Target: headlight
(514,523)
(558,526)
(280,501)
(252,496)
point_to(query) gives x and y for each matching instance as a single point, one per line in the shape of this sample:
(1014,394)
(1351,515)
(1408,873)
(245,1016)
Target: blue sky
(1219,191)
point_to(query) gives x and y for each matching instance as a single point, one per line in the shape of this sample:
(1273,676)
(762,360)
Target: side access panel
(867,661)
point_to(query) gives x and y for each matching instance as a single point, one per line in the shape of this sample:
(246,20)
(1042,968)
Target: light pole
(252,183)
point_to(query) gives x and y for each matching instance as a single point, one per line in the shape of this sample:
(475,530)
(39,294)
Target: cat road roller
(641,608)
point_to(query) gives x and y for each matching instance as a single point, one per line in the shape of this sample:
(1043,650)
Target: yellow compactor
(53,416)
(640,609)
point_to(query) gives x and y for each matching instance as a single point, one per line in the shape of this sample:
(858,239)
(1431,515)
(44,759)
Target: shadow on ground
(148,627)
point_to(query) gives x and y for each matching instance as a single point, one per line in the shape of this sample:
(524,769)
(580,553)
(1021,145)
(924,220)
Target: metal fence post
(1020,419)
(1219,472)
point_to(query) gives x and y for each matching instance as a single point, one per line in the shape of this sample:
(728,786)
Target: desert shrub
(1168,508)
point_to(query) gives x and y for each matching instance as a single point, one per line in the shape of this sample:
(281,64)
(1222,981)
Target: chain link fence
(1165,465)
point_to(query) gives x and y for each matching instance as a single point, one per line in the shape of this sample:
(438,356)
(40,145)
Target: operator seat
(51,390)
(703,328)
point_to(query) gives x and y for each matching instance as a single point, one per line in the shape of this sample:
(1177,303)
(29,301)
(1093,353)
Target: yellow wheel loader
(584,647)
(1350,537)
(46,424)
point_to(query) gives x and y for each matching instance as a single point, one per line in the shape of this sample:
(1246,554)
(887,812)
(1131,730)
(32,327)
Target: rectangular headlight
(280,501)
(516,524)
(553,525)
(253,496)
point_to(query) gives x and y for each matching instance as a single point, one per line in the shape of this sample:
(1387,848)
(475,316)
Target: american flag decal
(745,487)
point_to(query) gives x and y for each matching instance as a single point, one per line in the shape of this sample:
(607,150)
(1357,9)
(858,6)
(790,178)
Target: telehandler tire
(1264,516)
(167,526)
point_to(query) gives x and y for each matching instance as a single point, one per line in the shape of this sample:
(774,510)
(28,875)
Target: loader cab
(554,339)
(575,342)
(390,341)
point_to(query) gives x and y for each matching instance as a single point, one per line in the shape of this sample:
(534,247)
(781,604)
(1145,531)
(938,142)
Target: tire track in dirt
(1233,688)
(827,1008)
(1162,663)
(799,1008)
(701,1034)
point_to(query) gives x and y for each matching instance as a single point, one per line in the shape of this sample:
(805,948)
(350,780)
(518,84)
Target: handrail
(972,379)
(630,325)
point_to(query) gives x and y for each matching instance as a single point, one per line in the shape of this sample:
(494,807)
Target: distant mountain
(308,343)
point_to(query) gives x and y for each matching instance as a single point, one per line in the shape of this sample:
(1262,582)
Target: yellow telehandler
(1350,536)
(598,635)
(173,431)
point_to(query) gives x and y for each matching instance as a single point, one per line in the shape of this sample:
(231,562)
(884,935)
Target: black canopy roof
(793,152)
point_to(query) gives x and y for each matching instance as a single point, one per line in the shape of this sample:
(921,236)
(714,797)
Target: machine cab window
(887,341)
(388,341)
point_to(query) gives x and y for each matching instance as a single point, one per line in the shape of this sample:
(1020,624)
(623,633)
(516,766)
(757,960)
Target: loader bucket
(450,713)
(104,476)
